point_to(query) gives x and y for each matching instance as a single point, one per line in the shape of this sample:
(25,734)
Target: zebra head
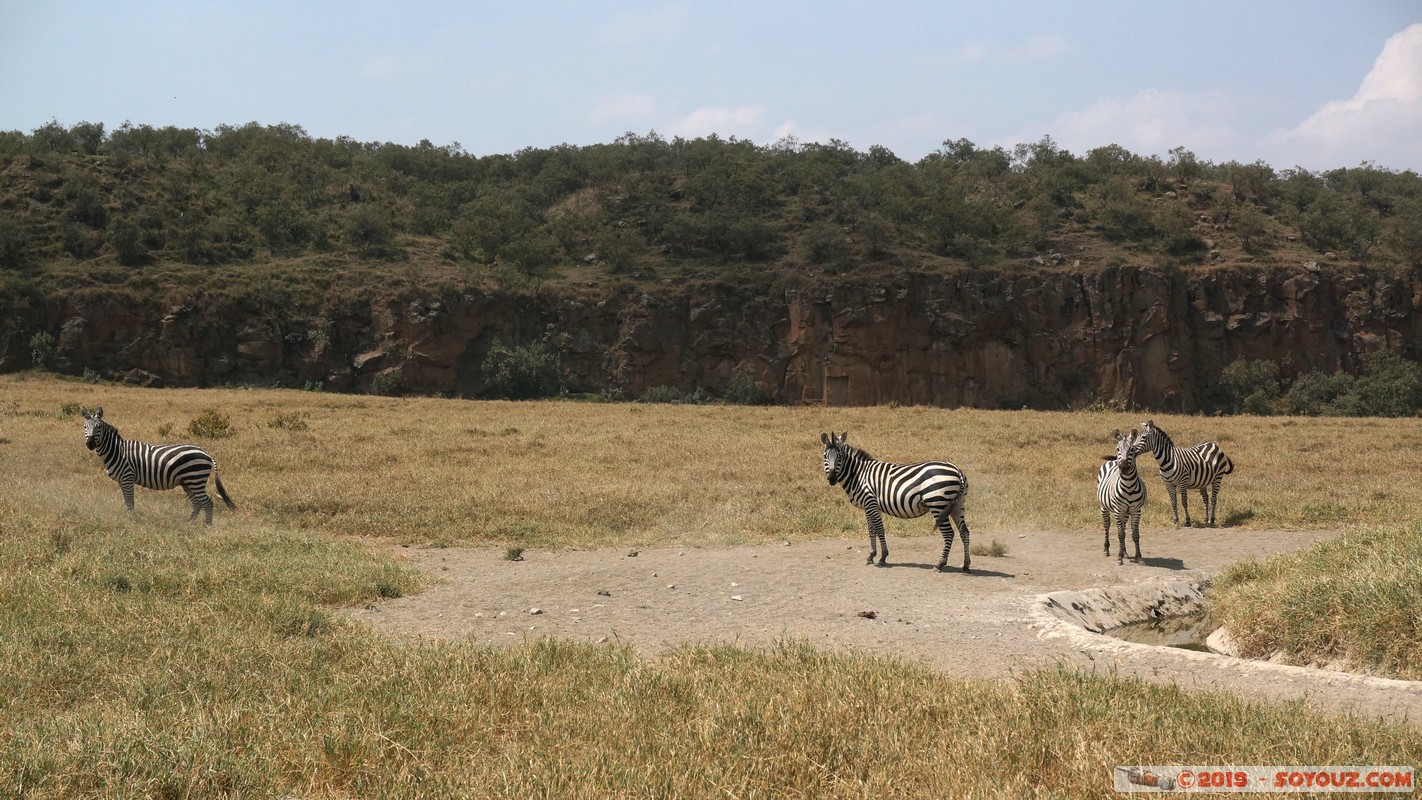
(93,426)
(836,459)
(1152,435)
(1127,448)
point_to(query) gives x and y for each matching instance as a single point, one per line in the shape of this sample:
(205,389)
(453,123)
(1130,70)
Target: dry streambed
(1038,605)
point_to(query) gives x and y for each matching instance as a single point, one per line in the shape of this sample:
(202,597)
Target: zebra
(1122,493)
(154,466)
(905,491)
(1200,466)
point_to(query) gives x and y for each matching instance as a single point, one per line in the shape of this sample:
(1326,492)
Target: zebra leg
(1215,500)
(876,534)
(127,488)
(1121,531)
(1185,503)
(197,495)
(944,522)
(1135,535)
(1106,523)
(1174,512)
(962,520)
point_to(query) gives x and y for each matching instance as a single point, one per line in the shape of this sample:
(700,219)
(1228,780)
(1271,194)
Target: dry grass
(1354,601)
(574,474)
(146,657)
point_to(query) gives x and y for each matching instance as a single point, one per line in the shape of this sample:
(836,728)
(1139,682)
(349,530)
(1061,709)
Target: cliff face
(1154,338)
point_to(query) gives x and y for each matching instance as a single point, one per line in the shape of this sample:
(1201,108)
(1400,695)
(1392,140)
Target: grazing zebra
(1121,492)
(905,491)
(1201,466)
(154,466)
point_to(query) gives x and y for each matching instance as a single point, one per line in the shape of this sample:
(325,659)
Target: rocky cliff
(1144,337)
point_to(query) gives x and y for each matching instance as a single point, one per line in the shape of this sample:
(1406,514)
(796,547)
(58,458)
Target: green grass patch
(1355,601)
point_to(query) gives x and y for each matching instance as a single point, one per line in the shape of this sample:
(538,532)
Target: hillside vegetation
(648,208)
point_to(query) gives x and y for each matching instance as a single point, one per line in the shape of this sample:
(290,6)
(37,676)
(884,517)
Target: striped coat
(1121,493)
(154,466)
(1202,466)
(905,491)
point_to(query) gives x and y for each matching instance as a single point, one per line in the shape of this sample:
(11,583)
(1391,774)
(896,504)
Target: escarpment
(1130,336)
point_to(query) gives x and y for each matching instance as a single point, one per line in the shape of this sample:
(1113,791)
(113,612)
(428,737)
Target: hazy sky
(1300,83)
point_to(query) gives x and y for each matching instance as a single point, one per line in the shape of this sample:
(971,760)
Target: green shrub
(41,348)
(671,394)
(1252,386)
(388,383)
(1391,386)
(664,394)
(211,424)
(523,373)
(1315,393)
(743,390)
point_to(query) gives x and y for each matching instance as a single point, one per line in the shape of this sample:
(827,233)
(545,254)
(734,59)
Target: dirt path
(983,625)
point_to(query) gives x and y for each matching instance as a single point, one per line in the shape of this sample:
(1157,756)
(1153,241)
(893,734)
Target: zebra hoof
(967,570)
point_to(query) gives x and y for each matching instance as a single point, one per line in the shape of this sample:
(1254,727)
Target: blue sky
(1307,83)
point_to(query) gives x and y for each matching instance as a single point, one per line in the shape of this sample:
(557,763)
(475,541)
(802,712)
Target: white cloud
(1381,123)
(742,121)
(1151,122)
(623,108)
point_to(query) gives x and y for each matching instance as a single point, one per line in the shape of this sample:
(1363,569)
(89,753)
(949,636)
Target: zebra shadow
(976,571)
(1163,563)
(1236,517)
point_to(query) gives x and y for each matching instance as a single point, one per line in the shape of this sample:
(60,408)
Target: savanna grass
(150,658)
(561,474)
(1353,601)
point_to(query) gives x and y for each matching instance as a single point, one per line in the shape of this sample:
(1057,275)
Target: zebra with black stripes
(905,491)
(1202,466)
(1122,493)
(154,466)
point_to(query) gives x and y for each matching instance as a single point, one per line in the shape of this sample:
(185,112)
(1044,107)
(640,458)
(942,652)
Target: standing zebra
(1121,492)
(154,466)
(1200,466)
(905,491)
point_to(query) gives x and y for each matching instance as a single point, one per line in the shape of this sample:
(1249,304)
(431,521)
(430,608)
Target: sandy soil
(987,624)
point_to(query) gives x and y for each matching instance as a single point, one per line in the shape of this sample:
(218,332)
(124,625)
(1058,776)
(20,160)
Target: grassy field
(579,474)
(146,657)
(1354,601)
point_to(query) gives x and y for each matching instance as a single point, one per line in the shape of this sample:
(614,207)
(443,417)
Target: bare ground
(987,624)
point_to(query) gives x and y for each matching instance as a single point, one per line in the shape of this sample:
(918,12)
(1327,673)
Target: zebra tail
(221,490)
(1229,465)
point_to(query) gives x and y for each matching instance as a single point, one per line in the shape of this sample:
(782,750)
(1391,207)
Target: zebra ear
(825,439)
(1116,433)
(99,412)
(843,436)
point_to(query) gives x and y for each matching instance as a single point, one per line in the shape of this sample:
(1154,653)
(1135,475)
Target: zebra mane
(850,451)
(1163,442)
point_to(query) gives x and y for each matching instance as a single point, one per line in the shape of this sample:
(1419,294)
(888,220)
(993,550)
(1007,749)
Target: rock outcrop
(1142,337)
